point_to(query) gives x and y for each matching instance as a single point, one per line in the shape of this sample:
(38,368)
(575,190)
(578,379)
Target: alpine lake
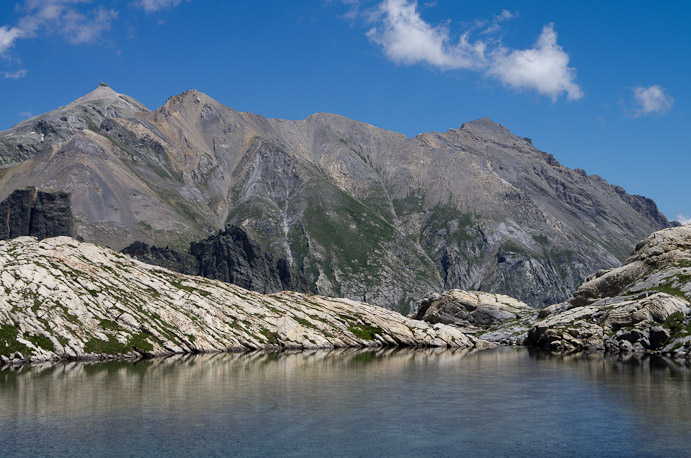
(501,402)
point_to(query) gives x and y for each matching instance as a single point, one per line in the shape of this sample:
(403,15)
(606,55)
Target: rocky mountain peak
(191,101)
(116,105)
(486,128)
(37,134)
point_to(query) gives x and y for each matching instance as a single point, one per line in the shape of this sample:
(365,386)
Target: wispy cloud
(152,6)
(60,17)
(684,219)
(80,28)
(15,75)
(7,37)
(408,39)
(26,114)
(651,100)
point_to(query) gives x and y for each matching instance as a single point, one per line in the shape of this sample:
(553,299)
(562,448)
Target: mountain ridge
(360,211)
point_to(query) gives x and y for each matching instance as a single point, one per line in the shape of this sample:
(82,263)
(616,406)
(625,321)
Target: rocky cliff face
(358,211)
(230,256)
(233,257)
(61,298)
(38,213)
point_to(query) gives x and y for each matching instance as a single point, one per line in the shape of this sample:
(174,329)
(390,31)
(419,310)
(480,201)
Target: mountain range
(357,211)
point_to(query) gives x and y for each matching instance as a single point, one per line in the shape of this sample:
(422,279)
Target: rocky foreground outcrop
(644,305)
(64,299)
(492,317)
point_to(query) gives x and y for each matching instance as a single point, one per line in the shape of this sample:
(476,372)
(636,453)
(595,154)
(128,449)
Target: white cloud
(8,37)
(683,219)
(407,39)
(544,67)
(80,28)
(15,75)
(495,26)
(58,17)
(151,6)
(651,100)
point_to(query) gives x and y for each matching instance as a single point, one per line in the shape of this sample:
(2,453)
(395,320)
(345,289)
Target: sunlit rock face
(491,317)
(61,298)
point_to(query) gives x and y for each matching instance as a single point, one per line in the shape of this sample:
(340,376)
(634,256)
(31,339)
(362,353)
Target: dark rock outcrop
(231,256)
(36,212)
(163,257)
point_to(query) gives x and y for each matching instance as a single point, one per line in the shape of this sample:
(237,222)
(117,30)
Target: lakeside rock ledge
(642,306)
(64,299)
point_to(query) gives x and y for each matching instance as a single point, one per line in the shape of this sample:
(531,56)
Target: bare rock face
(230,256)
(64,299)
(491,317)
(644,305)
(233,257)
(183,263)
(38,213)
(360,212)
(40,133)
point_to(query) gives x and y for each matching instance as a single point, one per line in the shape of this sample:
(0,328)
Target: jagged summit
(190,102)
(190,96)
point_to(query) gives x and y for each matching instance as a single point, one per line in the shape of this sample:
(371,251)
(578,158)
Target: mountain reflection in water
(501,402)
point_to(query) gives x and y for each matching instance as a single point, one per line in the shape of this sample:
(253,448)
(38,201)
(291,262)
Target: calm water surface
(501,402)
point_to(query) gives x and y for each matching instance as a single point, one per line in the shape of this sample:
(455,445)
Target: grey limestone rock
(164,257)
(492,317)
(644,305)
(64,299)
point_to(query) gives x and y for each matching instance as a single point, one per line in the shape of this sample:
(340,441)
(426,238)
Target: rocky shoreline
(68,300)
(64,299)
(643,306)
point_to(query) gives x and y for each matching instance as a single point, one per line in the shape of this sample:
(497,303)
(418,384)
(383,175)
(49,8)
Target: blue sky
(601,85)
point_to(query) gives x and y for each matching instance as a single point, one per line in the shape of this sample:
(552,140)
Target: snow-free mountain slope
(359,211)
